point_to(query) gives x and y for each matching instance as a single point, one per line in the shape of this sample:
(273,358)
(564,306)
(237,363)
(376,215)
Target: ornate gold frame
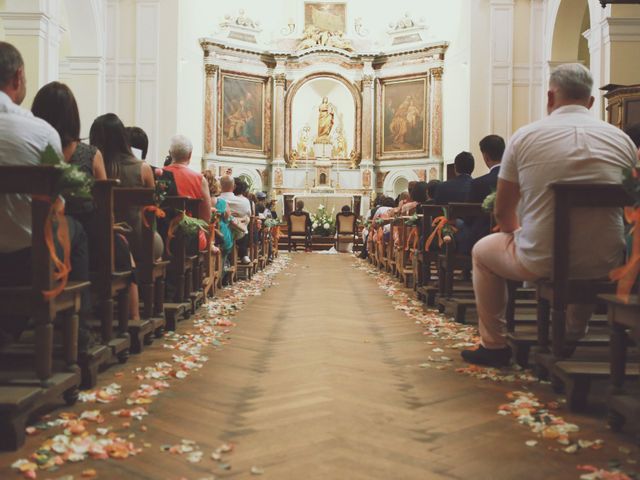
(222,150)
(290,95)
(380,97)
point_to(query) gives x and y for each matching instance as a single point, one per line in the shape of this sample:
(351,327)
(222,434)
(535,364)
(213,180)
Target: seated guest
(570,145)
(23,139)
(138,141)
(492,148)
(299,210)
(457,189)
(189,183)
(240,209)
(108,134)
(346,216)
(432,187)
(418,196)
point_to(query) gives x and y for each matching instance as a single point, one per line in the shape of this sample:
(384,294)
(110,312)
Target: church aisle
(321,379)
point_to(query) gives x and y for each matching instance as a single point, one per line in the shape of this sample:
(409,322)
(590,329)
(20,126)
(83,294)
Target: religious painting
(244,115)
(325,16)
(403,118)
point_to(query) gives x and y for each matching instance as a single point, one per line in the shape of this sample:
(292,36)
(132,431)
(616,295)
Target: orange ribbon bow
(173,226)
(62,268)
(438,225)
(413,236)
(153,209)
(627,274)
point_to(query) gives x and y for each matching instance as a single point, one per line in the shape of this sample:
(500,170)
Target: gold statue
(326,114)
(340,147)
(355,159)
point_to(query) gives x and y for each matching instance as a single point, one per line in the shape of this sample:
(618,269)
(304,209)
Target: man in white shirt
(23,138)
(240,207)
(569,145)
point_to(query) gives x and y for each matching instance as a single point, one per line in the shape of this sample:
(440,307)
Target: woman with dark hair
(432,188)
(56,104)
(109,135)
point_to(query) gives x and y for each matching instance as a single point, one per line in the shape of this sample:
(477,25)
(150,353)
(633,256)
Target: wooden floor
(321,379)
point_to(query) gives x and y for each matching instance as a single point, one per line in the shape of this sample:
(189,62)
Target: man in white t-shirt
(570,145)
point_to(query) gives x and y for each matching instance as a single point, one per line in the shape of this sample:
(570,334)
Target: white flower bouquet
(323,223)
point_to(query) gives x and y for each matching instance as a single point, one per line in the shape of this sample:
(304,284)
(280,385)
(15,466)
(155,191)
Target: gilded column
(436,113)
(367,119)
(280,81)
(210,103)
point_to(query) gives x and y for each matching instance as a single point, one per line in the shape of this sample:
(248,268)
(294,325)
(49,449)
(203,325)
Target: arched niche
(398,179)
(572,19)
(324,82)
(251,176)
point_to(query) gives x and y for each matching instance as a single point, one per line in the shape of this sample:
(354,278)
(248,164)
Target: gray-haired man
(568,145)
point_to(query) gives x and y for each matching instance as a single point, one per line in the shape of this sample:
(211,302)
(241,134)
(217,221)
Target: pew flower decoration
(272,222)
(489,203)
(627,275)
(323,222)
(190,226)
(412,221)
(73,182)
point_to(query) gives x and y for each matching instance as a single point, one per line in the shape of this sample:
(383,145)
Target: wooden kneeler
(28,386)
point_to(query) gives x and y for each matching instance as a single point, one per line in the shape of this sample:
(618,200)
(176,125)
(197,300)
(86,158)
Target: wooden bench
(179,271)
(246,270)
(110,288)
(404,250)
(26,387)
(198,262)
(624,320)
(452,260)
(556,293)
(150,272)
(426,282)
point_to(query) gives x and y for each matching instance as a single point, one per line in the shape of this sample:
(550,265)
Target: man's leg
(494,262)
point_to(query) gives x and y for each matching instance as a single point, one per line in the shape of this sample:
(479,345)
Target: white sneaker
(245,260)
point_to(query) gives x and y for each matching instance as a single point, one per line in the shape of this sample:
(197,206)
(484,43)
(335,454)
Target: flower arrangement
(73,182)
(323,223)
(488,204)
(412,221)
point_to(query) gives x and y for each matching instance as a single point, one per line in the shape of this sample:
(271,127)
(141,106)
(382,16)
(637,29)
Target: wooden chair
(110,288)
(347,228)
(213,264)
(150,271)
(561,290)
(26,387)
(298,228)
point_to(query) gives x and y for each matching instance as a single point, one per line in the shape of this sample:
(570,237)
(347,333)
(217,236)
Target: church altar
(327,115)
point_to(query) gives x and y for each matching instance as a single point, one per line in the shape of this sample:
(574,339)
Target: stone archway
(396,178)
(291,93)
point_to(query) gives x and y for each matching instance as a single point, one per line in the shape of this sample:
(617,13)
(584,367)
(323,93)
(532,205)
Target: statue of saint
(340,147)
(326,114)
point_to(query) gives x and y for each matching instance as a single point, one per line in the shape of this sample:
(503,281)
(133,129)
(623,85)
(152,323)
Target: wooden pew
(179,269)
(556,293)
(150,272)
(110,289)
(29,387)
(427,284)
(624,321)
(247,269)
(404,254)
(198,262)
